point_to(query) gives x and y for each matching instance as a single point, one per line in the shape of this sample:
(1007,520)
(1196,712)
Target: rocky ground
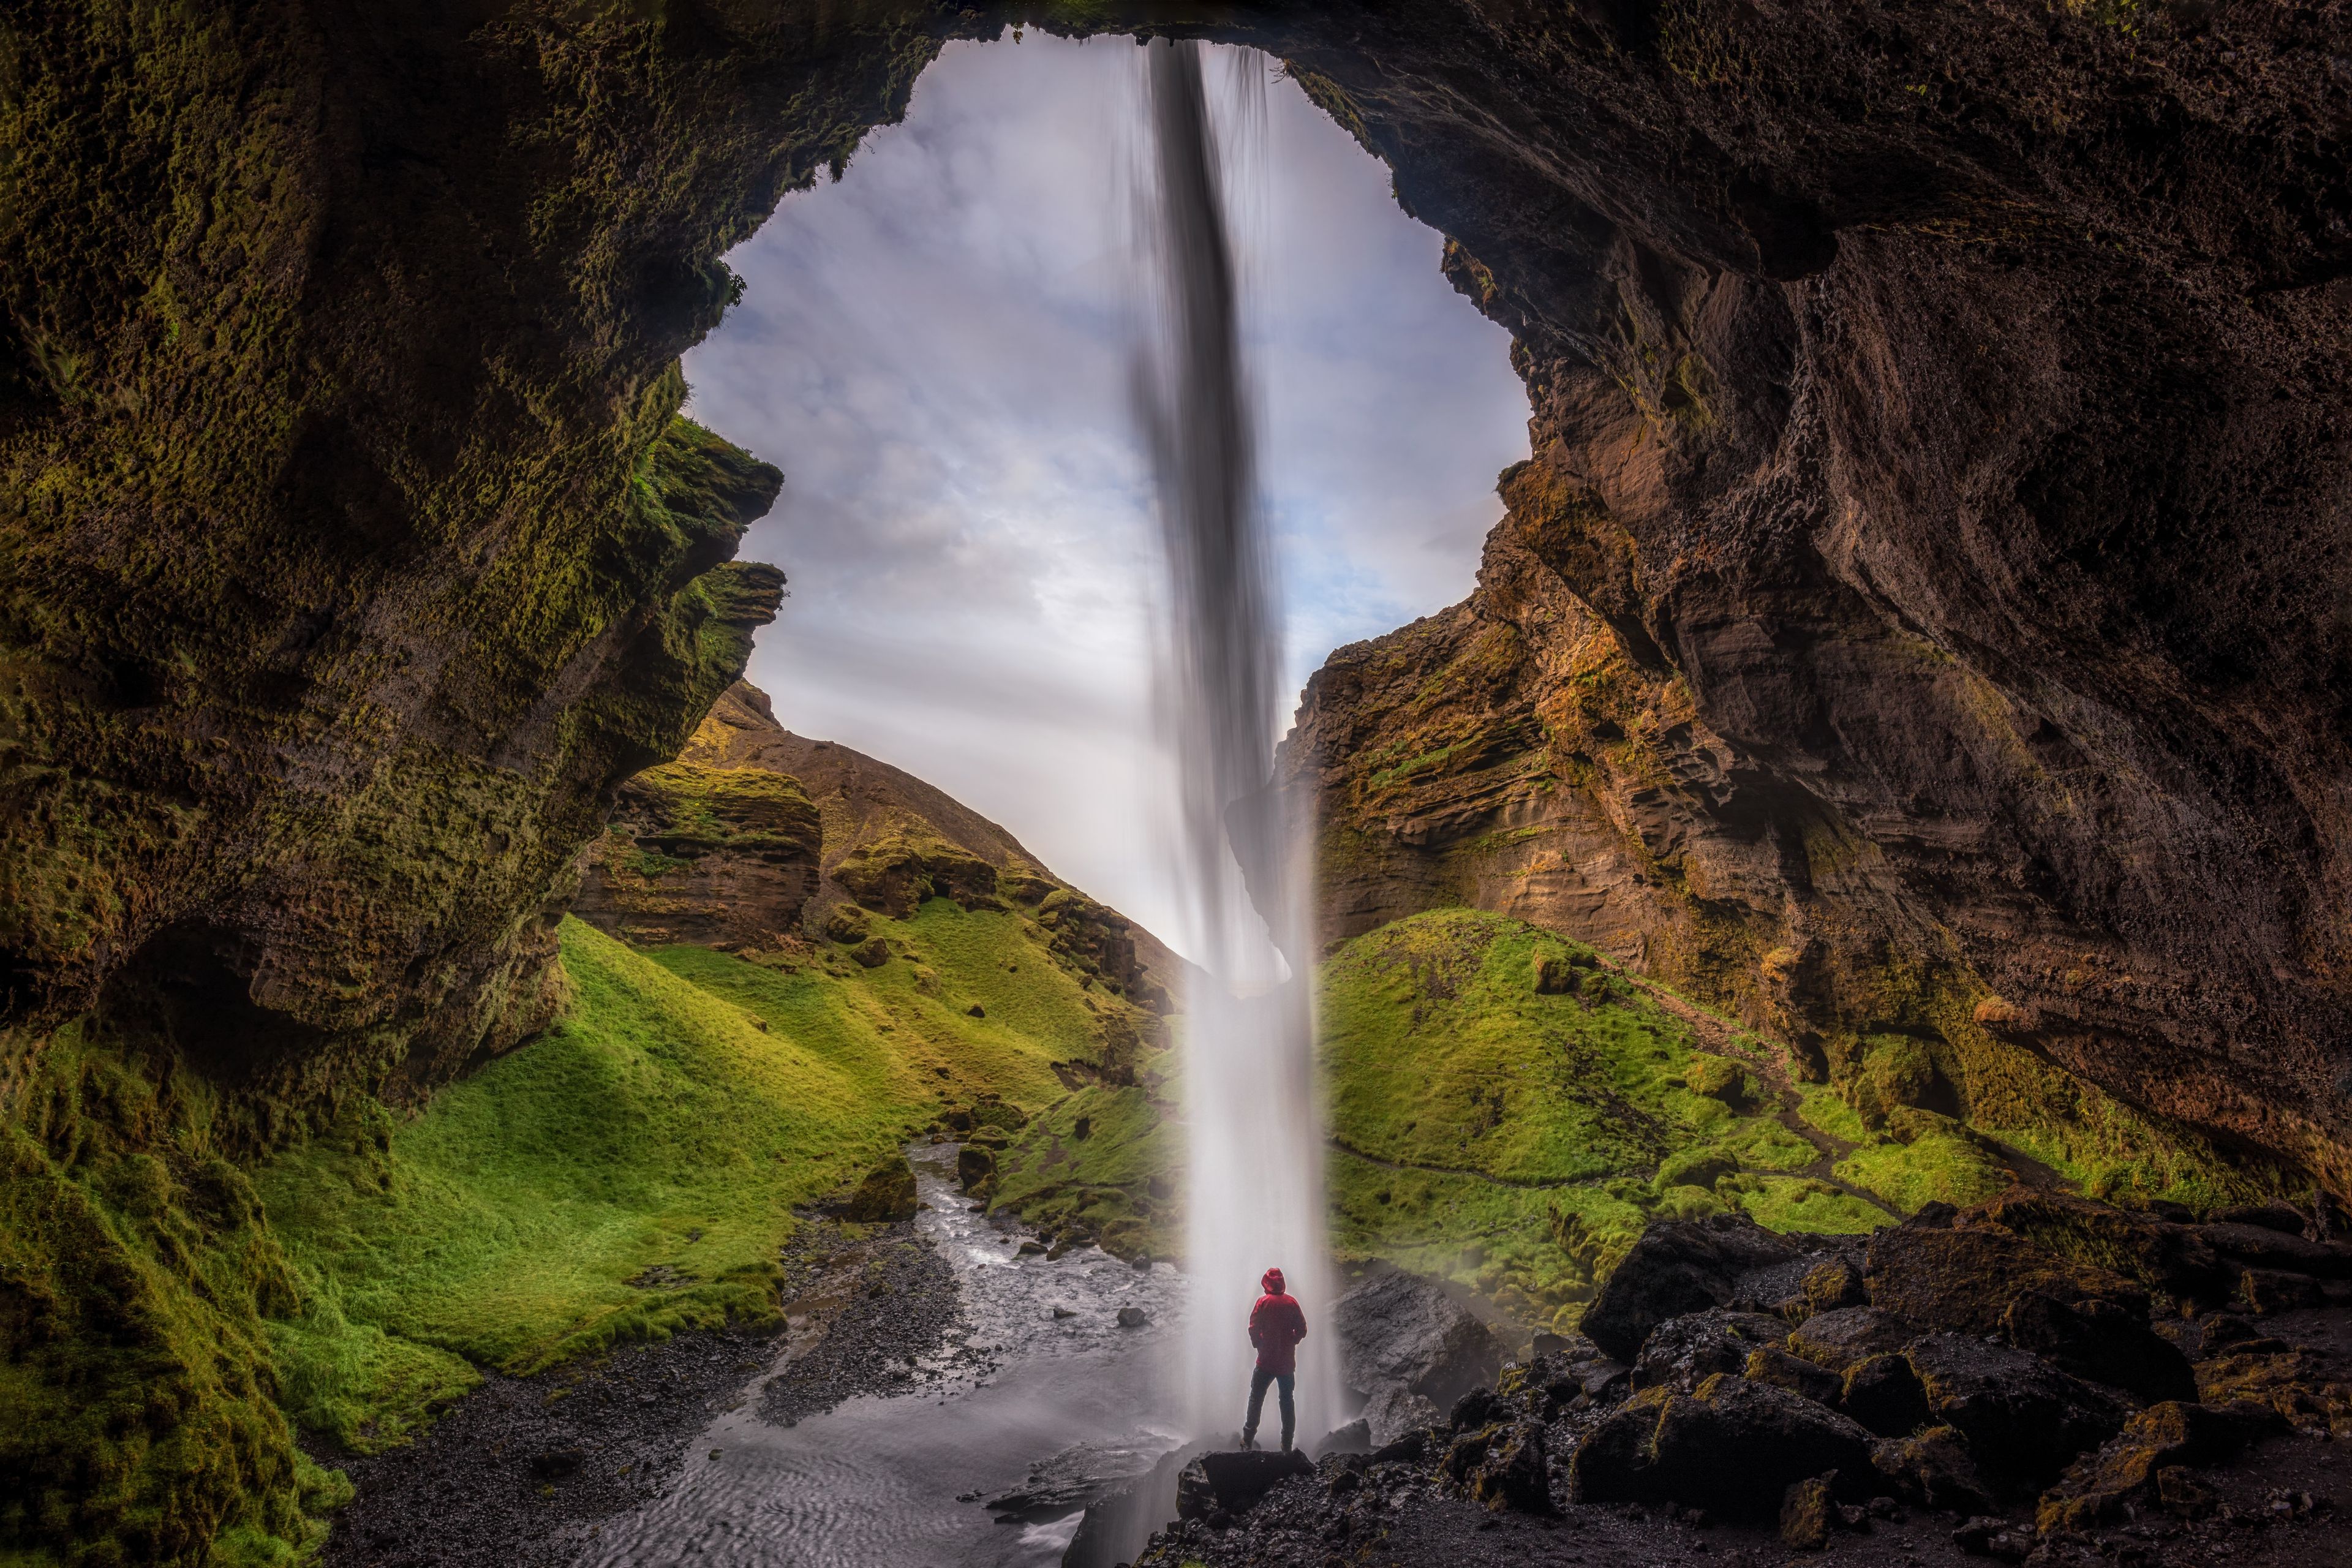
(1971,1385)
(524,1468)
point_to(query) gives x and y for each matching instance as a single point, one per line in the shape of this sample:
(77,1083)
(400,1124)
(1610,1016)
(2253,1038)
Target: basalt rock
(1403,1334)
(2102,1342)
(2124,1470)
(1678,1268)
(1232,1483)
(1932,1468)
(1683,1352)
(1733,1448)
(1964,1280)
(886,1197)
(2024,1418)
(1837,1340)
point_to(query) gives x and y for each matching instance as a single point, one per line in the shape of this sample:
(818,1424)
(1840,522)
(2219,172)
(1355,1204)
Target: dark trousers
(1284,1382)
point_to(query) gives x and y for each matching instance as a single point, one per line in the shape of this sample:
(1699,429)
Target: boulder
(2260,1246)
(1796,1375)
(1837,1340)
(1400,1331)
(1961,1280)
(974,1165)
(2313,1391)
(1933,1469)
(2138,1244)
(1354,1437)
(1503,1465)
(2268,1290)
(2101,1485)
(1885,1395)
(2024,1418)
(1683,1352)
(886,1197)
(2100,1341)
(1394,1414)
(1807,1511)
(1232,1483)
(1677,1268)
(1133,1317)
(1835,1284)
(1733,1448)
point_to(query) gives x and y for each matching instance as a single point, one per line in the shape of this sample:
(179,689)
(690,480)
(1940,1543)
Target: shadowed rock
(1401,1334)
(1733,1448)
(2024,1418)
(1232,1483)
(1678,1268)
(1683,1352)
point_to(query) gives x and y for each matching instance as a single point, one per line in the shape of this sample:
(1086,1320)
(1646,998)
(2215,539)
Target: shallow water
(902,1479)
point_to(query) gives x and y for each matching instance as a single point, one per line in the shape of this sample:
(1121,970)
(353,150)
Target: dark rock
(974,1165)
(871,953)
(886,1197)
(1232,1482)
(2139,1245)
(1399,1331)
(1933,1469)
(1546,1344)
(1835,1284)
(2124,1470)
(1683,1352)
(2267,1291)
(1989,1535)
(1476,1408)
(1734,1447)
(2024,1418)
(1883,1394)
(1796,1375)
(1933,1215)
(1962,1280)
(1837,1340)
(2260,1246)
(1133,1317)
(555,1464)
(1394,1413)
(1677,1268)
(1355,1437)
(2285,1218)
(1503,1465)
(1410,1448)
(1807,1511)
(2100,1341)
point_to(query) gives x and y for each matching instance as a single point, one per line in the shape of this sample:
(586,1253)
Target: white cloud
(936,352)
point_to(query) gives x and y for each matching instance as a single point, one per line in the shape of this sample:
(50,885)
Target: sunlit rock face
(1940,460)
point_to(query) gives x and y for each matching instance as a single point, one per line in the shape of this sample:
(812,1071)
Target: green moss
(1944,1167)
(1795,1202)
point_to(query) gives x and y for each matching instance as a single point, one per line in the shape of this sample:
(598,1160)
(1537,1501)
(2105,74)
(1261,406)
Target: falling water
(1255,1182)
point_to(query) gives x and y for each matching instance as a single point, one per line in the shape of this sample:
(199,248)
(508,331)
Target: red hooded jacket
(1276,1326)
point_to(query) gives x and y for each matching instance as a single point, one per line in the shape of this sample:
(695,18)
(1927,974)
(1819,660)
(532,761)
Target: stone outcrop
(756,837)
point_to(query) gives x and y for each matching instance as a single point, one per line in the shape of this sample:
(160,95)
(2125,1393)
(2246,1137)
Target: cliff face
(757,838)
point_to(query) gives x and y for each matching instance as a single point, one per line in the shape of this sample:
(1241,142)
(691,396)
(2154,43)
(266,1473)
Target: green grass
(1517,1139)
(687,1101)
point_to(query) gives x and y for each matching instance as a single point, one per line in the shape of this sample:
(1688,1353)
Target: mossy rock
(1720,1077)
(886,1196)
(847,924)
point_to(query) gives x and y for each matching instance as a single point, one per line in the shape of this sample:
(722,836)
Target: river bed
(1017,1400)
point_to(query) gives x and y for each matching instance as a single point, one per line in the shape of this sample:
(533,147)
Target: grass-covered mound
(633,1171)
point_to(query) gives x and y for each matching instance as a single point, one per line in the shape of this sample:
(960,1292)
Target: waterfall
(1250,1113)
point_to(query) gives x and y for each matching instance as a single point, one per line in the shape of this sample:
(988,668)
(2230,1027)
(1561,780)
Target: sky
(936,349)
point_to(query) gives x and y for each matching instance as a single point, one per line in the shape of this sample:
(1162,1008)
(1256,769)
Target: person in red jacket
(1276,1326)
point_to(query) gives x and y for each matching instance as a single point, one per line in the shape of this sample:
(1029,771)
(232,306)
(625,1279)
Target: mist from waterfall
(1252,1116)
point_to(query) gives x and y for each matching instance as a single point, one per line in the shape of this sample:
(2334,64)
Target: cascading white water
(1252,1115)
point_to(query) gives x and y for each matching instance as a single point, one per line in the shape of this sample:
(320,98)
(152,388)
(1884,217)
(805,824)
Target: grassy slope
(659,1127)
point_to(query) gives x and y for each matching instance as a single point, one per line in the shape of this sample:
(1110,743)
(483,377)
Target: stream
(1036,1400)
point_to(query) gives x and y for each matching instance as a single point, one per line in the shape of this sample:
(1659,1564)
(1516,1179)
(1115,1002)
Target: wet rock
(1734,1447)
(2145,1247)
(886,1197)
(2260,1246)
(1883,1394)
(1676,1268)
(1834,1285)
(2124,1470)
(1503,1465)
(1400,1331)
(2313,1391)
(974,1165)
(1806,1512)
(2024,1418)
(1933,1469)
(2102,1342)
(1355,1437)
(1410,1447)
(1796,1375)
(1991,1536)
(1233,1483)
(1961,1280)
(1837,1340)
(1394,1414)
(1133,1317)
(1683,1352)
(2268,1290)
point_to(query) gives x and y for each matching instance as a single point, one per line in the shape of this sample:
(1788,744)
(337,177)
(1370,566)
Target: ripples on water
(900,1479)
